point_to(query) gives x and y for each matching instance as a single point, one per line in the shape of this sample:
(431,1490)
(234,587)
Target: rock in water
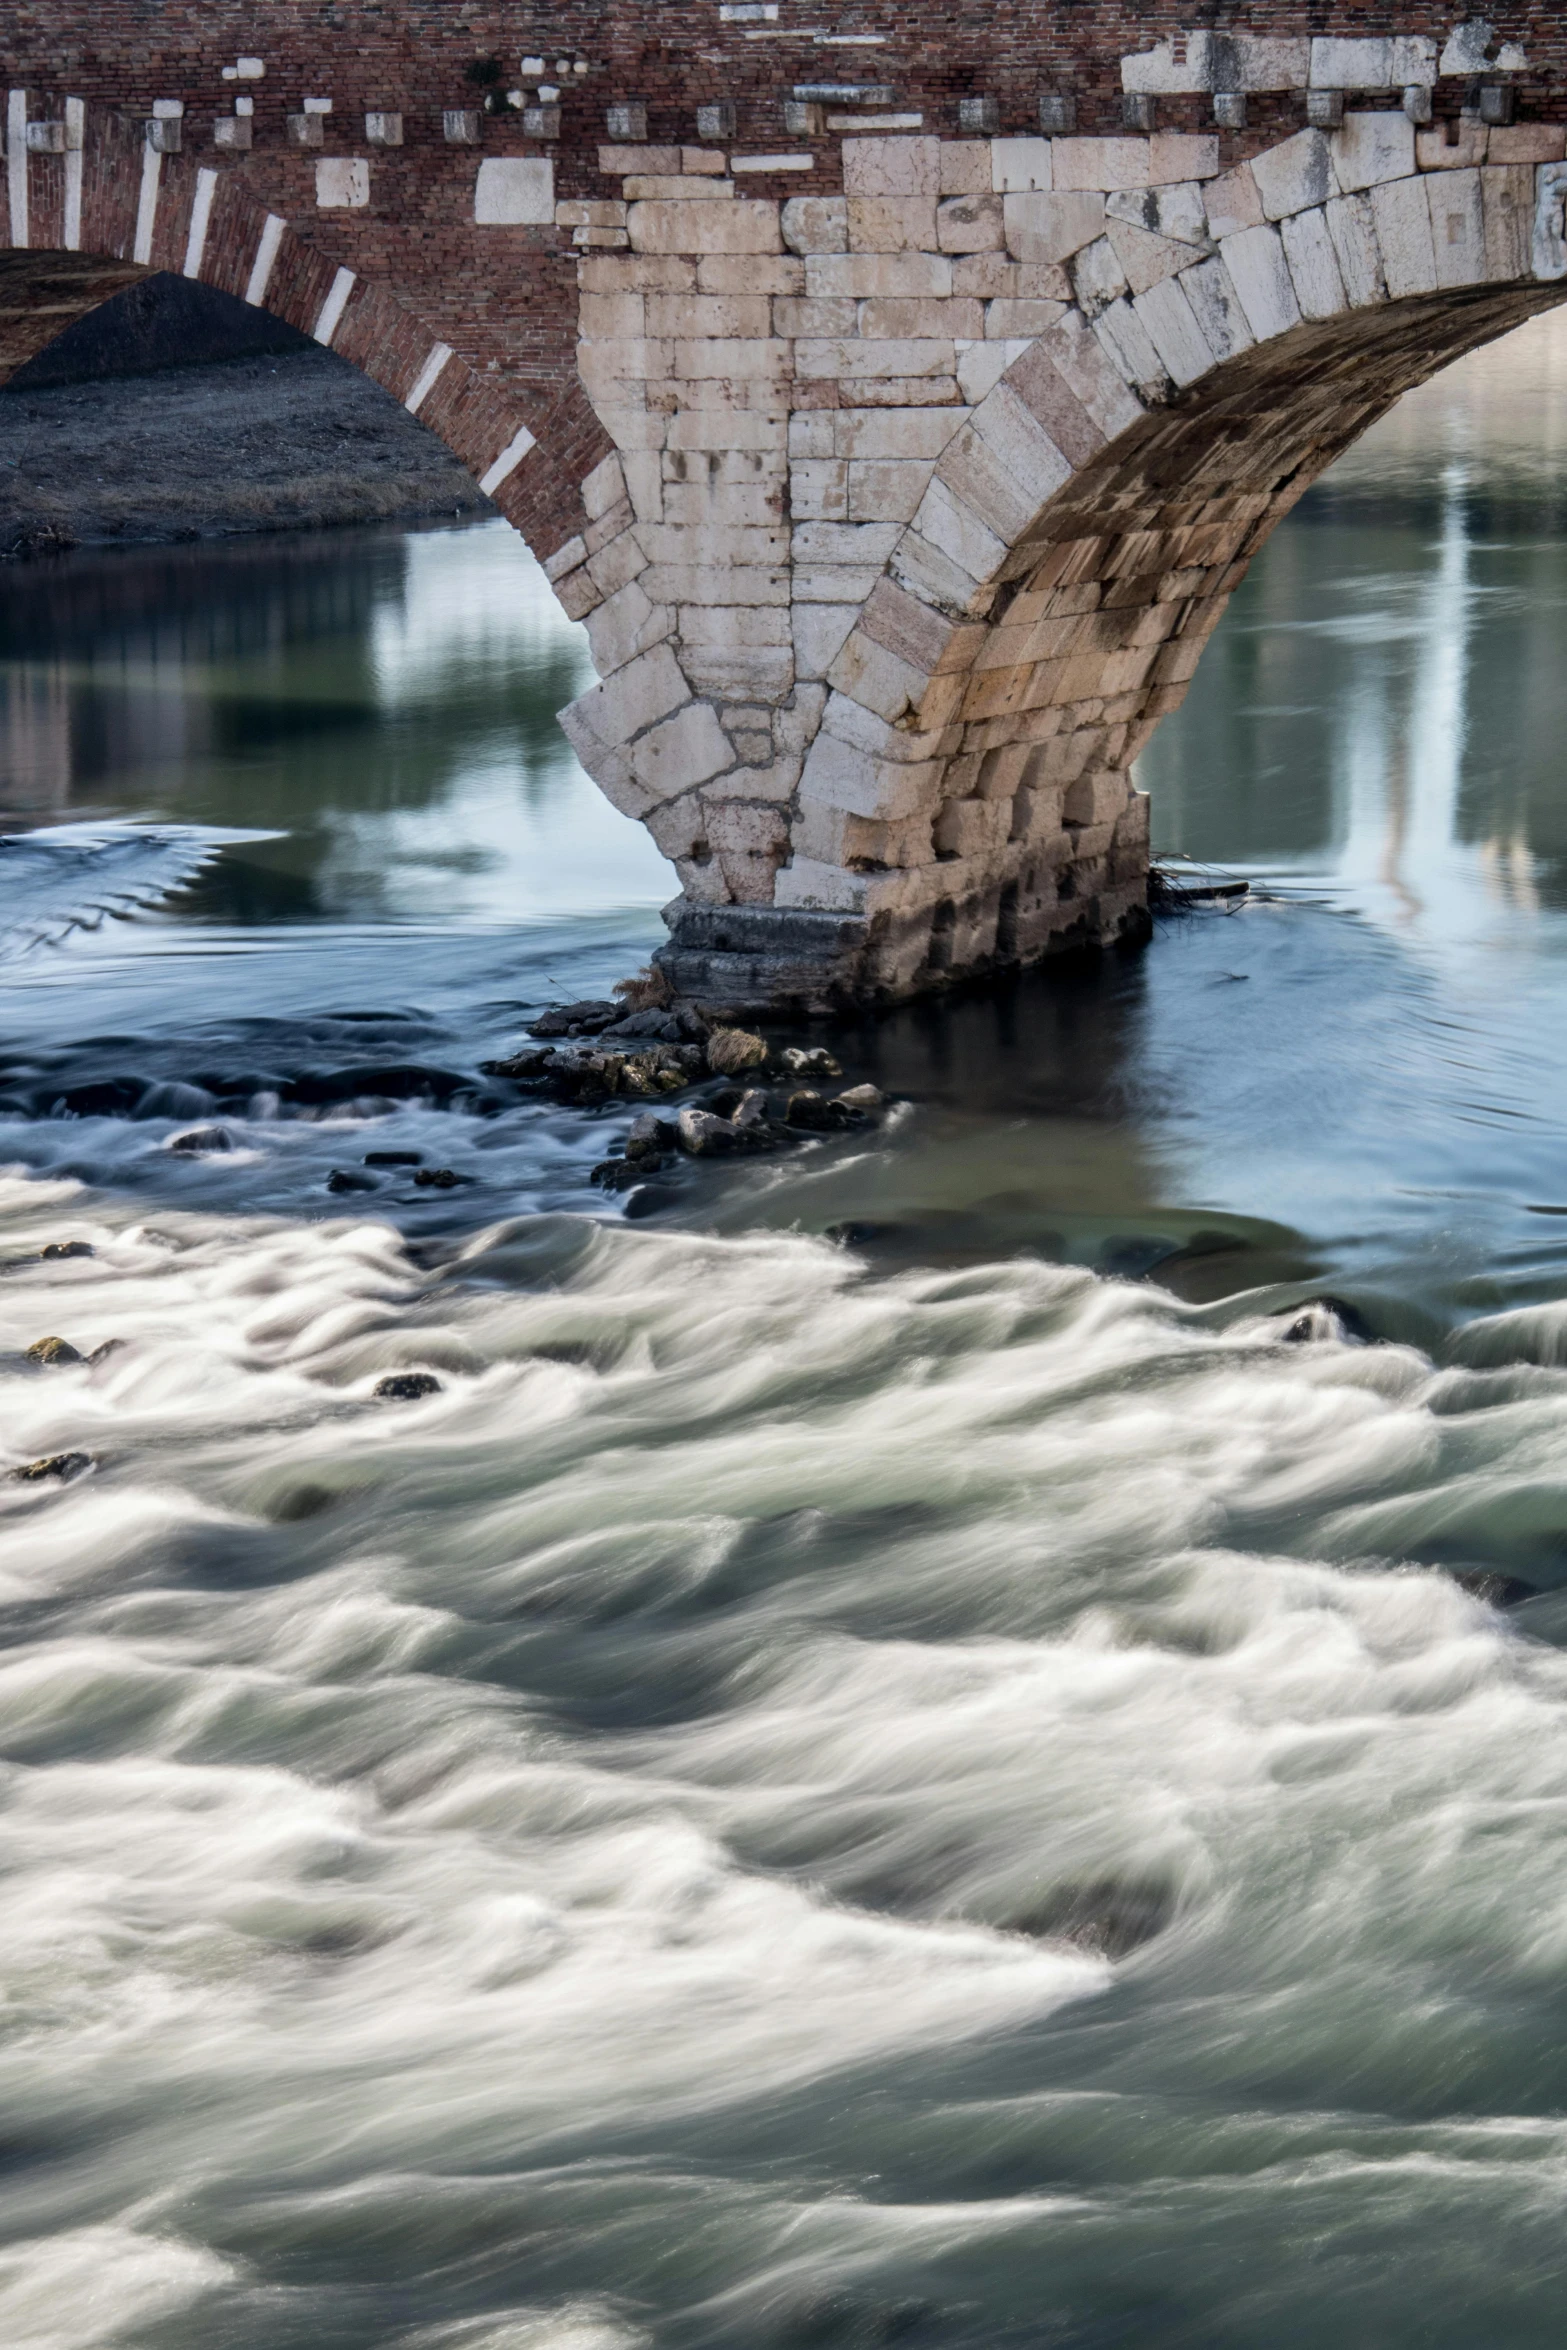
(861,1097)
(1495,1589)
(349,1179)
(584,1019)
(440,1179)
(52,1353)
(703,1135)
(61,1465)
(199,1139)
(393,1158)
(649,1137)
(54,1249)
(813,1061)
(753,1111)
(405,1386)
(731,1051)
(808,1110)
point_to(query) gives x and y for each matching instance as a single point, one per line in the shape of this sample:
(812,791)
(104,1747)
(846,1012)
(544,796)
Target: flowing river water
(885,1762)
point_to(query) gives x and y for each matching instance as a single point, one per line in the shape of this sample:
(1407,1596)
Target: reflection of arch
(135,211)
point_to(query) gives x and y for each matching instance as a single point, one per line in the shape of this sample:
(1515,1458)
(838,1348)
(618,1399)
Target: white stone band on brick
(200,218)
(330,316)
(424,382)
(75,141)
(16,164)
(147,204)
(266,255)
(507,462)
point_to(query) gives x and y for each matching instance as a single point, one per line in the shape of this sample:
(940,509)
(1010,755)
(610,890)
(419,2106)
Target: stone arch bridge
(897,391)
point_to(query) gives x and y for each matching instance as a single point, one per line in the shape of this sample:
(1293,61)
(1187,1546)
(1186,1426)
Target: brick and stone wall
(897,394)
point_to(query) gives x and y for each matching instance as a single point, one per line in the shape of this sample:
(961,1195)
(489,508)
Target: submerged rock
(1497,1590)
(753,1113)
(624,1174)
(648,1137)
(53,1250)
(731,1051)
(703,1135)
(349,1179)
(580,1019)
(52,1353)
(393,1158)
(531,1061)
(808,1111)
(810,1061)
(197,1140)
(1329,1318)
(60,1465)
(405,1386)
(864,1098)
(439,1178)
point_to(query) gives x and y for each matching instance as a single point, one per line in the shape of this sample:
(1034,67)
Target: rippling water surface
(885,1762)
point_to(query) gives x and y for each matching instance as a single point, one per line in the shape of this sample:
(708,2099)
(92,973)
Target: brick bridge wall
(897,392)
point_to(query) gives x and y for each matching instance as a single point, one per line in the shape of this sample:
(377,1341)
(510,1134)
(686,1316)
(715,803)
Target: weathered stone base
(796,962)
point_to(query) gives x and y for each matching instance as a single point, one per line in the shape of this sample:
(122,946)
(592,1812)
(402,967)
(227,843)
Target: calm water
(940,1790)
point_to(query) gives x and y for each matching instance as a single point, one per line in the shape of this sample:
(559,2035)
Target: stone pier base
(906,940)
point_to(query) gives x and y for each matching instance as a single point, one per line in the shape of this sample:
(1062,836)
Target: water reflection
(384,701)
(1383,710)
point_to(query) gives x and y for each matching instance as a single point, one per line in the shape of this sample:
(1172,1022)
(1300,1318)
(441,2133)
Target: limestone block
(846,357)
(698,505)
(831,888)
(834,583)
(1019,322)
(1099,797)
(1126,341)
(817,542)
(1234,202)
(1507,202)
(1174,330)
(1178,155)
(1052,228)
(1097,277)
(1144,258)
(643,470)
(969,224)
(636,273)
(1004,466)
(1353,230)
(511,191)
(730,675)
(892,224)
(947,522)
(1526,142)
(1457,228)
(891,167)
(1177,212)
(819,633)
(819,490)
(876,677)
(884,489)
(971,828)
(891,317)
(1403,225)
(686,227)
(605,364)
(611,317)
(732,628)
(1101,163)
(833,837)
(1260,275)
(861,276)
(624,626)
(603,488)
(813,433)
(1019,165)
(660,184)
(1370,148)
(639,694)
(1548,242)
(615,162)
(814,320)
(1308,247)
(687,316)
(737,359)
(577,594)
(931,574)
(981,367)
(836,775)
(679,825)
(965,167)
(1432,152)
(816,224)
(1217,308)
(1294,176)
(610,770)
(1092,376)
(613,565)
(905,432)
(681,750)
(750,273)
(695,429)
(713,544)
(716,583)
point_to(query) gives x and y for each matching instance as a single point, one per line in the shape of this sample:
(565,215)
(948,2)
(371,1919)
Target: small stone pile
(651,1055)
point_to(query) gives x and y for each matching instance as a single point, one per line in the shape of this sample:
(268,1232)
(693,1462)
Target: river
(883,1762)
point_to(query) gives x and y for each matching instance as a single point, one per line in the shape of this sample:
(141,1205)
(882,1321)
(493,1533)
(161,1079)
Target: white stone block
(743,226)
(1003,465)
(1091,375)
(892,224)
(948,523)
(1403,225)
(861,276)
(343,183)
(1354,235)
(1217,308)
(830,888)
(1219,61)
(981,367)
(1233,202)
(892,432)
(970,224)
(855,361)
(819,489)
(1052,228)
(514,191)
(1174,330)
(1127,343)
(1018,166)
(1295,176)
(816,224)
(1260,275)
(1308,247)
(1018,322)
(1097,277)
(625,625)
(686,317)
(837,775)
(1179,155)
(1177,212)
(816,543)
(885,489)
(644,691)
(1370,148)
(819,633)
(833,583)
(892,167)
(1457,228)
(1548,235)
(680,751)
(1100,163)
(1471,48)
(1144,258)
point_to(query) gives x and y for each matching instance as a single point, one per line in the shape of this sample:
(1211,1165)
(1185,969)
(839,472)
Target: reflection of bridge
(899,414)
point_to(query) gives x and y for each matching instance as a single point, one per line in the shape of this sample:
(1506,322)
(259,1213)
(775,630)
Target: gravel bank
(279,442)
